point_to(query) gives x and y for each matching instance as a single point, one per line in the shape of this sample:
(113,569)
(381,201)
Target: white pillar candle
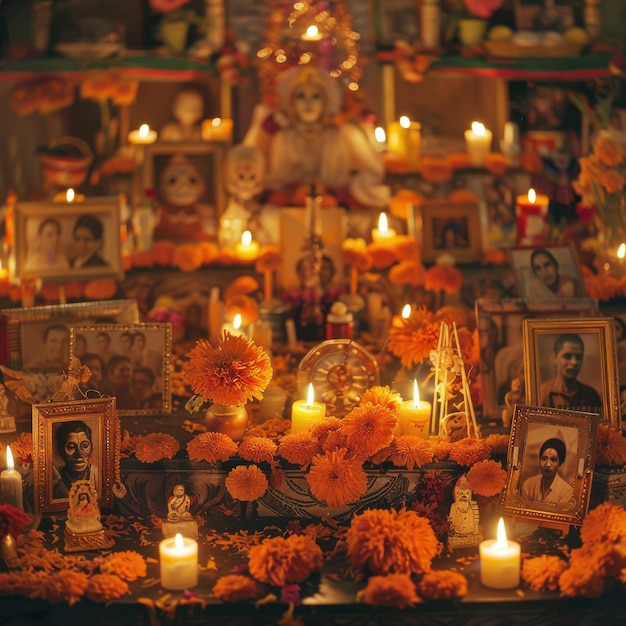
(179,562)
(306,413)
(500,561)
(383,234)
(11,484)
(478,143)
(414,418)
(144,136)
(247,250)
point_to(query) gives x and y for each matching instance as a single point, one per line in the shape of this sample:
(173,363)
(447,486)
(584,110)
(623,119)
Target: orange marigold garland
(384,396)
(410,451)
(542,573)
(469,451)
(128,565)
(394,590)
(64,586)
(257,449)
(211,447)
(486,478)
(386,542)
(235,371)
(156,447)
(442,585)
(336,480)
(106,587)
(246,483)
(369,428)
(282,561)
(299,448)
(235,588)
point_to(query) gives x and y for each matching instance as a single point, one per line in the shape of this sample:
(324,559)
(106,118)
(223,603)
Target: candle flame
(532,196)
(383,225)
(416,394)
(310,396)
(621,251)
(312,31)
(237,321)
(70,195)
(405,122)
(216,121)
(246,238)
(478,128)
(178,541)
(144,130)
(380,134)
(10,463)
(501,541)
(406,311)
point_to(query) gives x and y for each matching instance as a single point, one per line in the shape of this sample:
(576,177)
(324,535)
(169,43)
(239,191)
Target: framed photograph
(451,228)
(547,272)
(534,15)
(572,364)
(77,440)
(292,274)
(38,337)
(550,465)
(499,323)
(130,362)
(68,240)
(396,19)
(188,180)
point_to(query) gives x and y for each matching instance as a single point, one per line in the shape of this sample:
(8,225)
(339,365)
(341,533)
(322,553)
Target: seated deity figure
(302,142)
(83,528)
(179,518)
(464,518)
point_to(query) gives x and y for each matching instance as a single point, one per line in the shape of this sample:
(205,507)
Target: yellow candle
(397,136)
(306,413)
(11,484)
(415,415)
(478,143)
(235,328)
(383,234)
(68,196)
(312,33)
(217,129)
(247,250)
(179,562)
(500,561)
(413,144)
(143,136)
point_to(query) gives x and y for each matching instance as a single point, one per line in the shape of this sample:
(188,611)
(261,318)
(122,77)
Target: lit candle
(143,136)
(68,196)
(413,143)
(11,484)
(217,129)
(235,328)
(383,234)
(414,418)
(531,211)
(179,562)
(312,33)
(397,136)
(381,138)
(406,312)
(306,413)
(500,561)
(247,250)
(478,143)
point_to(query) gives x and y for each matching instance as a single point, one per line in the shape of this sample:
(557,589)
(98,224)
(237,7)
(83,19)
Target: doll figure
(188,111)
(179,518)
(183,216)
(464,517)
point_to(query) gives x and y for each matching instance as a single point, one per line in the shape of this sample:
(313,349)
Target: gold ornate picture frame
(64,431)
(128,361)
(554,380)
(536,489)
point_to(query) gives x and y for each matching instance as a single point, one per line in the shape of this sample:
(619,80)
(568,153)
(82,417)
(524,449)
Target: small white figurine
(179,517)
(83,529)
(188,111)
(464,518)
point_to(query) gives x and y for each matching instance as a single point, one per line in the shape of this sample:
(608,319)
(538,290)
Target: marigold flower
(246,483)
(211,447)
(542,573)
(156,447)
(410,451)
(22,447)
(321,429)
(498,444)
(407,273)
(162,252)
(106,587)
(232,373)
(610,447)
(282,561)
(128,565)
(403,201)
(210,251)
(335,480)
(394,590)
(441,449)
(407,248)
(187,257)
(399,542)
(12,520)
(382,255)
(298,448)
(442,585)
(354,252)
(443,277)
(369,428)
(412,339)
(257,449)
(235,588)
(383,395)
(468,451)
(486,478)
(607,522)
(124,91)
(241,286)
(334,440)
(64,586)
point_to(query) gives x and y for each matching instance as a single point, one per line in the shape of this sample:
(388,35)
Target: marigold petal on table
(394,590)
(442,585)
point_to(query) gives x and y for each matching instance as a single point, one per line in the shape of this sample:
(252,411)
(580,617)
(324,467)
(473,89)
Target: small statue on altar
(179,517)
(188,111)
(302,141)
(515,395)
(464,518)
(83,529)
